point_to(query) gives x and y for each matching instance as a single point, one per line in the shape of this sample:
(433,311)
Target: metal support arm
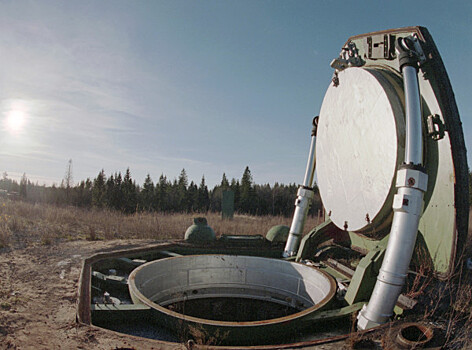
(411,183)
(305,196)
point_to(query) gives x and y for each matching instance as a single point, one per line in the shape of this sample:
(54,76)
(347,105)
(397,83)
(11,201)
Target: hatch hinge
(436,127)
(381,47)
(349,57)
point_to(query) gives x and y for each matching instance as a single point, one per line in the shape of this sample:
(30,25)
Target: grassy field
(44,227)
(23,223)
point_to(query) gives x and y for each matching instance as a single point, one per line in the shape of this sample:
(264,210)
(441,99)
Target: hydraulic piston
(305,196)
(411,183)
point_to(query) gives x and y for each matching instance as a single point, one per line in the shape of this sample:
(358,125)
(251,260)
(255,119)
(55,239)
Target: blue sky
(209,86)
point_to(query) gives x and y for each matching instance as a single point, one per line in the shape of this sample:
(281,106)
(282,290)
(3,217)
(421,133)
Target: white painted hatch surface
(357,148)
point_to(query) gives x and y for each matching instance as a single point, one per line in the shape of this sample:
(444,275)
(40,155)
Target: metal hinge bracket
(381,47)
(349,57)
(436,127)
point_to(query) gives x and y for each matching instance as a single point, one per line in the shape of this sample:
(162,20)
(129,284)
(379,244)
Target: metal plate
(360,142)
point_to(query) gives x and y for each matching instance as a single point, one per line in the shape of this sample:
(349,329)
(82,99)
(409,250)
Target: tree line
(120,192)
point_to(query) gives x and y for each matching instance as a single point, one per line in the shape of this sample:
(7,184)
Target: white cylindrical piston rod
(414,139)
(305,195)
(407,205)
(311,164)
(302,205)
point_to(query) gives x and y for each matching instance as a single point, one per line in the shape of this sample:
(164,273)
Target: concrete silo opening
(231,290)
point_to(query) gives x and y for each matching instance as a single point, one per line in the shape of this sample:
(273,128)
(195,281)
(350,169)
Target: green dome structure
(278,233)
(200,231)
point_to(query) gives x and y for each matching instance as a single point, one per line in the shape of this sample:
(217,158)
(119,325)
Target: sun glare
(15,121)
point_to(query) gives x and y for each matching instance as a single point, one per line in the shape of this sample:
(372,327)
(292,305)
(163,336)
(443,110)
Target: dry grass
(22,224)
(5,232)
(450,302)
(423,268)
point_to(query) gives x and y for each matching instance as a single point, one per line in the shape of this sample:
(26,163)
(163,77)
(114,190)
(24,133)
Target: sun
(15,121)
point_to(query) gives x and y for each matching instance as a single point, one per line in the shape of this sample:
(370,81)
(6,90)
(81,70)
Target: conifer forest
(120,192)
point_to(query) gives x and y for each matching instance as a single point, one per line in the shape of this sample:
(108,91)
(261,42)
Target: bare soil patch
(41,253)
(38,295)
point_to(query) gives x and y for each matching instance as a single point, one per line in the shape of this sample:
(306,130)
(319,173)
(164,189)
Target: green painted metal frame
(365,276)
(444,223)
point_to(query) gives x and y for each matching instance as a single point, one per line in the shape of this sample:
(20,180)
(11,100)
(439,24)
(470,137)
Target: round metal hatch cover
(360,142)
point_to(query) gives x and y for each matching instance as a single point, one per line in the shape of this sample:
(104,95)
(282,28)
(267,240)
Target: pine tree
(110,192)
(99,190)
(147,195)
(236,188)
(248,196)
(216,196)
(203,198)
(182,195)
(192,198)
(174,197)
(264,199)
(130,195)
(160,201)
(23,184)
(224,182)
(117,193)
(83,193)
(183,179)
